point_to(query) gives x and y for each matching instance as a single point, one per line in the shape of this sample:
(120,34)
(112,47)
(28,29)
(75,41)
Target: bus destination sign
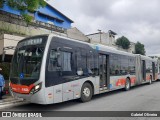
(33,41)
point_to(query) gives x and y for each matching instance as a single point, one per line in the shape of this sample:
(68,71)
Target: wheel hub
(127,84)
(86,92)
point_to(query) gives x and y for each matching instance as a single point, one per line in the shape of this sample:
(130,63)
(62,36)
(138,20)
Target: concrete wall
(109,40)
(22,30)
(132,47)
(103,38)
(1,44)
(74,33)
(9,40)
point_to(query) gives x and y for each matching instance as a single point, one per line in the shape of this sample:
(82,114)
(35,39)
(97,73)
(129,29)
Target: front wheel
(127,85)
(86,92)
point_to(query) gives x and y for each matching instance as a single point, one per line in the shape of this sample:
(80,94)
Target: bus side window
(90,63)
(115,65)
(66,61)
(52,61)
(96,65)
(79,62)
(59,61)
(131,67)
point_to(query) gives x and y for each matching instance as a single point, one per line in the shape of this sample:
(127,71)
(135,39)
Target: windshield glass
(27,59)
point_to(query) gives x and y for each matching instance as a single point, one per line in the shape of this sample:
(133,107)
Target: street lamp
(100,34)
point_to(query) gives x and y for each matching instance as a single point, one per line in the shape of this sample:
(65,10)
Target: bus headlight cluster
(36,88)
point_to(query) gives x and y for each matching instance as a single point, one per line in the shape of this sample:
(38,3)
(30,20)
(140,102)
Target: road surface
(141,98)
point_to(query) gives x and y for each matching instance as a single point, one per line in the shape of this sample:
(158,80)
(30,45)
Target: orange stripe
(133,80)
(148,77)
(21,88)
(156,76)
(120,82)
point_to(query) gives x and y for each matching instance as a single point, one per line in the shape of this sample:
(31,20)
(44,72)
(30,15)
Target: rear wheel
(127,85)
(86,92)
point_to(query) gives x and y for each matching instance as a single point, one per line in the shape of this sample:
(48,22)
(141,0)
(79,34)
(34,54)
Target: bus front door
(103,71)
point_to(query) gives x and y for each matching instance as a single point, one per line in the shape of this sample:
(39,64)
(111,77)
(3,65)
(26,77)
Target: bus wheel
(127,85)
(86,92)
(150,81)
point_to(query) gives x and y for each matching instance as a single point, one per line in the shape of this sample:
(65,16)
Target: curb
(11,102)
(3,102)
(9,105)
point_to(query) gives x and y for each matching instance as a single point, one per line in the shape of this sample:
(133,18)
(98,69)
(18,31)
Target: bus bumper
(35,98)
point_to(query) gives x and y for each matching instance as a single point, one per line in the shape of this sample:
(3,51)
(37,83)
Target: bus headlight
(36,88)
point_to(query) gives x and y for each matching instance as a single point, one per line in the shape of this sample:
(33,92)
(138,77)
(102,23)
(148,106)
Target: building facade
(103,38)
(109,39)
(48,14)
(74,33)
(13,28)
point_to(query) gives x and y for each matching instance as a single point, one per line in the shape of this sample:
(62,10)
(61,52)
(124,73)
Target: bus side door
(104,71)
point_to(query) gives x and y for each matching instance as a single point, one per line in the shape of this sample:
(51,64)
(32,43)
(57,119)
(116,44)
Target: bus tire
(86,92)
(150,81)
(127,84)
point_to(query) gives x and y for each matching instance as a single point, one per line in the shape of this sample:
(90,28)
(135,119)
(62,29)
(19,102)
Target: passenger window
(90,63)
(59,61)
(52,66)
(65,59)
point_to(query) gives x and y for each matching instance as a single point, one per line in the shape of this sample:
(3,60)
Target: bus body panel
(49,95)
(56,92)
(68,91)
(36,98)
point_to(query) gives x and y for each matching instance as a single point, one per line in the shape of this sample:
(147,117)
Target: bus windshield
(27,59)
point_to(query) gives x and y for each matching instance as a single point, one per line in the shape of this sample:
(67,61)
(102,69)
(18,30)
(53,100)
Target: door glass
(153,70)
(102,70)
(144,70)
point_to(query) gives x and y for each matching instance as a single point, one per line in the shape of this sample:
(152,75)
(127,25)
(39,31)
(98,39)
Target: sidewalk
(8,101)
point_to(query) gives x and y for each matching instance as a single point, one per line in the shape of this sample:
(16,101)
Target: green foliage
(25,5)
(27,18)
(5,70)
(1,3)
(123,42)
(30,5)
(139,49)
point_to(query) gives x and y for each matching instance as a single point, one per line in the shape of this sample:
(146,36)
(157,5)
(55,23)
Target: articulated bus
(49,69)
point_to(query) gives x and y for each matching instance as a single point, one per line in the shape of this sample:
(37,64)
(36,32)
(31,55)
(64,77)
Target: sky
(138,20)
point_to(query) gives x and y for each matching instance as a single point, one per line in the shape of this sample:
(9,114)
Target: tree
(24,5)
(139,49)
(1,3)
(123,42)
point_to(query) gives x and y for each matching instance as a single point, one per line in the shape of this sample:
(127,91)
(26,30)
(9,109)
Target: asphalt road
(140,98)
